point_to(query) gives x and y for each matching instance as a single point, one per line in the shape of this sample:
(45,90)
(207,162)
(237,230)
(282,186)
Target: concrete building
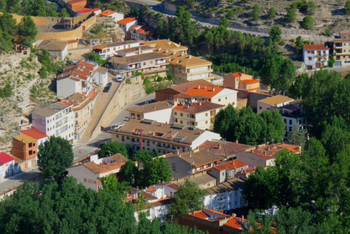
(36,134)
(241,81)
(226,149)
(188,163)
(109,50)
(271,103)
(140,32)
(7,166)
(55,119)
(166,45)
(112,14)
(127,23)
(83,108)
(147,63)
(184,68)
(315,56)
(159,137)
(76,78)
(56,48)
(89,174)
(341,49)
(159,111)
(101,76)
(25,148)
(228,170)
(293,115)
(196,115)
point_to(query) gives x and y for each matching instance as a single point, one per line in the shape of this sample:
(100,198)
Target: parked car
(119,78)
(108,87)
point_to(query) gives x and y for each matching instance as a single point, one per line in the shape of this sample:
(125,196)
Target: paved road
(288,34)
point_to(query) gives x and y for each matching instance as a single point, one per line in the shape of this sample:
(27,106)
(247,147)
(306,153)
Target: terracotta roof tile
(207,91)
(102,168)
(34,133)
(107,13)
(235,164)
(315,47)
(195,108)
(250,81)
(25,138)
(126,20)
(224,148)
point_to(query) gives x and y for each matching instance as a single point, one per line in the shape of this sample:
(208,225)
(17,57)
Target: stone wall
(124,94)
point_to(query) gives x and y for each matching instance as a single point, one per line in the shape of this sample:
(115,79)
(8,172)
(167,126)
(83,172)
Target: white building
(293,115)
(7,166)
(112,14)
(315,56)
(159,111)
(56,48)
(272,103)
(55,119)
(127,23)
(225,196)
(76,78)
(109,50)
(101,76)
(89,174)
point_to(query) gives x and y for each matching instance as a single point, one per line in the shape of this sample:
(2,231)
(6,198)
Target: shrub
(128,81)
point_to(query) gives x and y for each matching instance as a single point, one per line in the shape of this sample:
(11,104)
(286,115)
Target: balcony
(338,45)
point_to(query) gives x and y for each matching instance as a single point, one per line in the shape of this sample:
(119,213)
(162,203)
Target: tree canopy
(111,148)
(54,156)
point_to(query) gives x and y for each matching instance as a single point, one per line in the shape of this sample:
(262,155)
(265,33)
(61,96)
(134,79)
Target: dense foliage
(74,209)
(248,127)
(112,148)
(189,198)
(54,156)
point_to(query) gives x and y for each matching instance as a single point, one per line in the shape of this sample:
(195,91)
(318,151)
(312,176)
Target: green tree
(275,126)
(130,172)
(262,182)
(111,148)
(256,12)
(311,7)
(291,15)
(190,3)
(225,122)
(272,13)
(154,172)
(111,185)
(347,7)
(64,13)
(308,23)
(299,89)
(188,198)
(297,136)
(275,33)
(27,27)
(230,14)
(258,224)
(2,94)
(54,156)
(224,22)
(287,76)
(8,24)
(8,90)
(43,72)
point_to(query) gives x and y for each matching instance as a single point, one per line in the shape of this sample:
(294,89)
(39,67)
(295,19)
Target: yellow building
(342,49)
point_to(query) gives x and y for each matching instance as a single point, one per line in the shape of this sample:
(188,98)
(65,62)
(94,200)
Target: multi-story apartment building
(184,68)
(147,63)
(25,148)
(55,119)
(82,107)
(271,103)
(109,50)
(293,115)
(140,32)
(159,137)
(76,78)
(196,115)
(315,56)
(342,49)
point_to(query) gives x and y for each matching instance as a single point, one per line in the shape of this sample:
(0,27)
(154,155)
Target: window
(181,122)
(181,114)
(175,120)
(260,108)
(206,122)
(76,123)
(76,115)
(225,98)
(47,121)
(144,63)
(309,58)
(173,166)
(290,129)
(175,113)
(206,114)
(219,100)
(290,122)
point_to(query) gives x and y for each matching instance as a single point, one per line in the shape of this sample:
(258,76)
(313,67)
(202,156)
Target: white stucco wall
(162,116)
(83,176)
(225,97)
(205,136)
(67,87)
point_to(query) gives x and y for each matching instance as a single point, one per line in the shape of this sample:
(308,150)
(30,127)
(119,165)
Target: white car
(119,78)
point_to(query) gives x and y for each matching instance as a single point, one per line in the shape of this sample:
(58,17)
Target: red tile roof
(207,91)
(67,103)
(198,107)
(235,164)
(32,132)
(5,158)
(107,13)
(126,20)
(76,1)
(315,47)
(227,149)
(250,81)
(84,10)
(207,213)
(235,222)
(151,189)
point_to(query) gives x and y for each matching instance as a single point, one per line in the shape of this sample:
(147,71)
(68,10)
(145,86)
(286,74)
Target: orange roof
(77,1)
(151,189)
(67,103)
(126,20)
(315,47)
(32,132)
(250,81)
(230,165)
(237,74)
(199,107)
(136,26)
(96,9)
(107,13)
(207,213)
(207,91)
(99,47)
(92,94)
